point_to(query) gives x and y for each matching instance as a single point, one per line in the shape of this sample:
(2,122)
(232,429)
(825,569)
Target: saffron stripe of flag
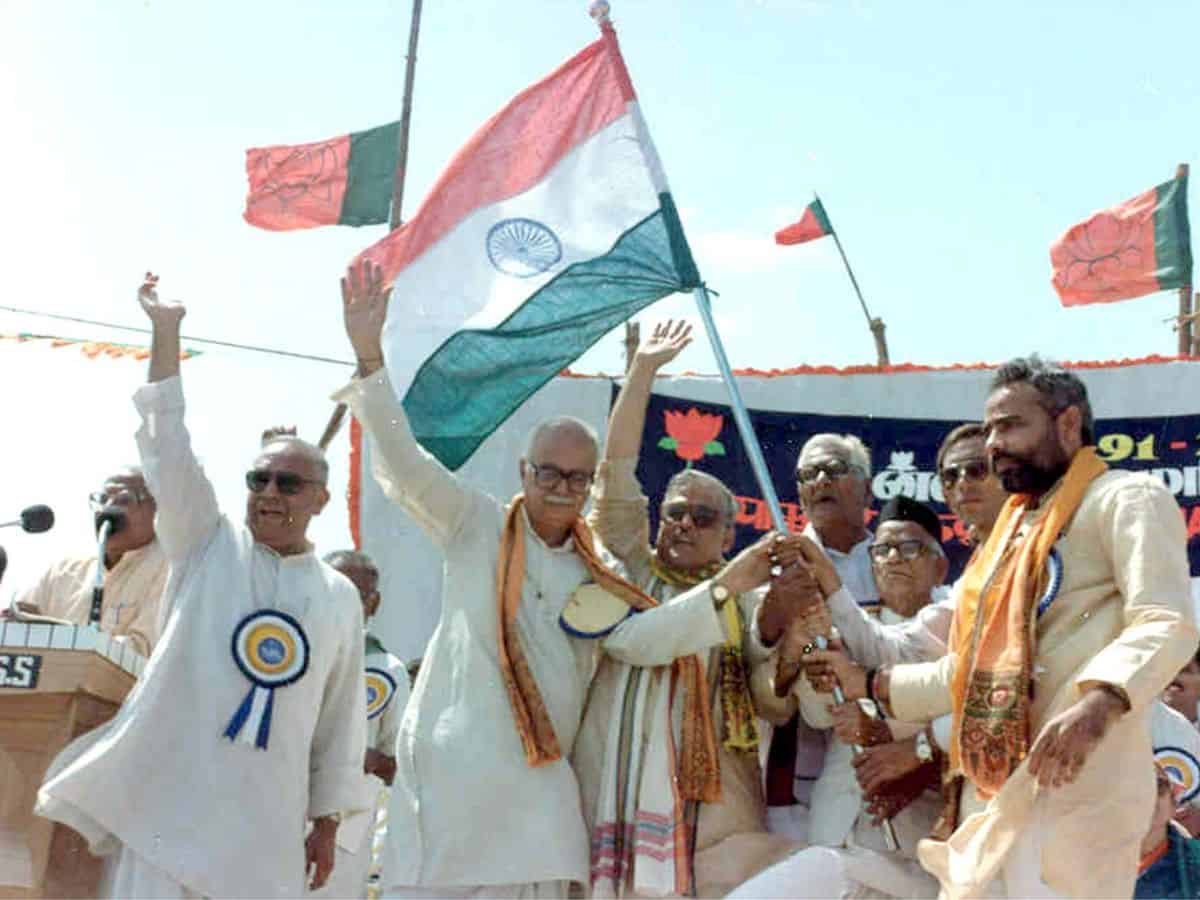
(1135,248)
(346,180)
(812,225)
(549,228)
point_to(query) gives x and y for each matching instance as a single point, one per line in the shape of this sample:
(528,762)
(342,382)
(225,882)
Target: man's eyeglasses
(288,483)
(548,476)
(971,470)
(701,516)
(908,550)
(118,497)
(833,469)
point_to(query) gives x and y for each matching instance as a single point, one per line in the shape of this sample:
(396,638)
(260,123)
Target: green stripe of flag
(370,175)
(1172,236)
(476,379)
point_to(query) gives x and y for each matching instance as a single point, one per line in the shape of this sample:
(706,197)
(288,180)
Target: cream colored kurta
(132,591)
(732,842)
(1123,616)
(161,780)
(466,808)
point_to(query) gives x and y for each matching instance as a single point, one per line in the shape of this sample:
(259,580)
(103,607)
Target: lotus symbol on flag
(1097,256)
(288,174)
(692,435)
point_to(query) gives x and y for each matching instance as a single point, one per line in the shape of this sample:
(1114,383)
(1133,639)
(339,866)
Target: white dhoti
(821,873)
(129,877)
(536,890)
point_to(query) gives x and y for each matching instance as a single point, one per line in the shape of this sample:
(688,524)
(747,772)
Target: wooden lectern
(56,682)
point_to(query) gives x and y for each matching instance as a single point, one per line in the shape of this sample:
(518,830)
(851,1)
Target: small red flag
(1135,248)
(812,225)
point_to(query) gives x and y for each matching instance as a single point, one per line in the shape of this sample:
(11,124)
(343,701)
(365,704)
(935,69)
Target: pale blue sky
(950,141)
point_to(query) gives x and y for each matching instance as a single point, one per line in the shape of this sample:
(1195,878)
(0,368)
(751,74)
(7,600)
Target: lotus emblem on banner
(692,435)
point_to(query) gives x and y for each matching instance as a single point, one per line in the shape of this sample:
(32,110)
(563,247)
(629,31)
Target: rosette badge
(381,687)
(271,649)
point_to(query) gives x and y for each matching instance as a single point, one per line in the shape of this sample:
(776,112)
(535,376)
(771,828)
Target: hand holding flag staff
(815,224)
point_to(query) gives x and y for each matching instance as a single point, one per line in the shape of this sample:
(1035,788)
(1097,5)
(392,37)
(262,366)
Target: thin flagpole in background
(397,212)
(876,325)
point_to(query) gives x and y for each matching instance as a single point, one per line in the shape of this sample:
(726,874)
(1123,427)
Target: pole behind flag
(1134,248)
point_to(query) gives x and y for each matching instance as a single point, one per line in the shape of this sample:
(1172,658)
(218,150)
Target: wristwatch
(719,593)
(924,748)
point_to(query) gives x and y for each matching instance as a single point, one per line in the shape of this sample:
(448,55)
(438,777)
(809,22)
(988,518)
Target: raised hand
(664,344)
(160,312)
(824,668)
(364,309)
(853,726)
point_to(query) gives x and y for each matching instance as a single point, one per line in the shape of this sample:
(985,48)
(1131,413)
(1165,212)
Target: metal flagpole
(740,417)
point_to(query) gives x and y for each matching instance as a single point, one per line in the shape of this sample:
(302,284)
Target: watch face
(924,751)
(720,593)
(870,707)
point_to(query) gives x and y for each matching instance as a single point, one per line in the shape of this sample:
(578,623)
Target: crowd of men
(607,712)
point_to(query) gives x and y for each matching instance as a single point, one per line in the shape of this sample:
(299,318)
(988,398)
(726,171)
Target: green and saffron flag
(812,225)
(346,180)
(1137,247)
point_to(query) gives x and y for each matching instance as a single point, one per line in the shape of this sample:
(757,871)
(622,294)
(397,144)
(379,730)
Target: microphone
(113,517)
(33,519)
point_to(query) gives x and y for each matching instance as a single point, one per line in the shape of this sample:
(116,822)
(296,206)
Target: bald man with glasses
(135,569)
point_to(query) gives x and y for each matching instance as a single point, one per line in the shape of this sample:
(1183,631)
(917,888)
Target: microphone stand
(105,529)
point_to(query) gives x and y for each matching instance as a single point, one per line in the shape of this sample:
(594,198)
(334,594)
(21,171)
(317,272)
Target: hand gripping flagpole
(599,11)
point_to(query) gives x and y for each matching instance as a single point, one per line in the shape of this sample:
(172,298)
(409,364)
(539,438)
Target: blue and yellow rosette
(381,687)
(271,649)
(1182,767)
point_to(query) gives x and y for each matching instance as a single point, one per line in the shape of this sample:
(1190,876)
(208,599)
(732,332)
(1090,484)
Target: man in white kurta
(187,809)
(469,815)
(387,692)
(135,571)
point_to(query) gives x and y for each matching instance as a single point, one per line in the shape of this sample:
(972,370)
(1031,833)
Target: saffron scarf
(993,630)
(739,725)
(699,771)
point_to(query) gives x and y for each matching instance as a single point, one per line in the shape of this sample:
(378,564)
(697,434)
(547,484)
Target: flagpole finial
(599,10)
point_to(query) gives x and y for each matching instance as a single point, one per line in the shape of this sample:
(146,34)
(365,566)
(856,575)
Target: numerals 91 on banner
(1116,447)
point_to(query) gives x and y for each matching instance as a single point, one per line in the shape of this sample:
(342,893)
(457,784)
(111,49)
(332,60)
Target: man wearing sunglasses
(488,804)
(249,720)
(695,532)
(1085,584)
(135,569)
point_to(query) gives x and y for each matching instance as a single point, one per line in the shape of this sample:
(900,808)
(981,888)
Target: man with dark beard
(1070,621)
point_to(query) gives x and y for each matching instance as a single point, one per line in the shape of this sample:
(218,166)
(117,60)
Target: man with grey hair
(488,802)
(695,531)
(833,479)
(135,569)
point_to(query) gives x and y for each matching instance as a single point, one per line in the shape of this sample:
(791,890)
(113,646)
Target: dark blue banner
(679,433)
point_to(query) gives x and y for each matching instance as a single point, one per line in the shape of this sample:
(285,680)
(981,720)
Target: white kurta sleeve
(1143,536)
(406,472)
(187,515)
(657,637)
(873,643)
(619,515)
(336,780)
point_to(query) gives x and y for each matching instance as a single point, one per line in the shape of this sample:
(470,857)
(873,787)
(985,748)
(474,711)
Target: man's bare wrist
(368,365)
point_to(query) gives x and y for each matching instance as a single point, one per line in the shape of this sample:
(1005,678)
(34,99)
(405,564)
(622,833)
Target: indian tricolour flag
(552,226)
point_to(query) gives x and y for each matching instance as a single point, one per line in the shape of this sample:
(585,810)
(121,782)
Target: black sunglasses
(288,483)
(833,470)
(701,516)
(971,470)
